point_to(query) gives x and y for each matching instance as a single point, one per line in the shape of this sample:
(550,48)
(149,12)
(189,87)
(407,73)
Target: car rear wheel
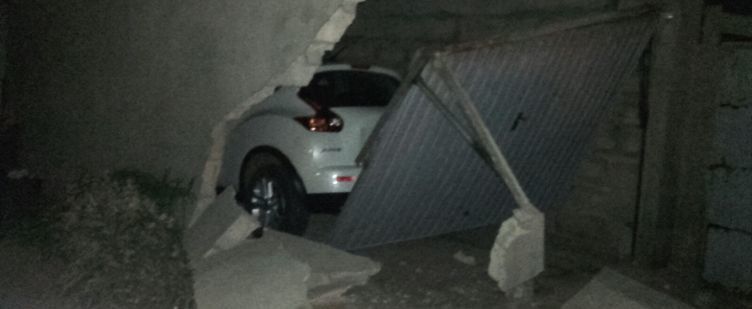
(272,189)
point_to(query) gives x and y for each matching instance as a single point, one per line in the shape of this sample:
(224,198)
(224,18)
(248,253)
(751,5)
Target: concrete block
(517,255)
(609,289)
(222,221)
(733,145)
(738,79)
(728,258)
(251,276)
(730,195)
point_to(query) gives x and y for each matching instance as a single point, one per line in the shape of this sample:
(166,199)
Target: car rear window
(350,88)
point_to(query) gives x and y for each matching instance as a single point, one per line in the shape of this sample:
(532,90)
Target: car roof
(365,68)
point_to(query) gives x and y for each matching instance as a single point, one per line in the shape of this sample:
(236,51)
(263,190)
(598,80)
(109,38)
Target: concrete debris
(464,258)
(223,224)
(333,271)
(280,271)
(609,289)
(237,232)
(276,271)
(518,254)
(251,276)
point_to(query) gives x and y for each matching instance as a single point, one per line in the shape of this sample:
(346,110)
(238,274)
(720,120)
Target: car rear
(347,103)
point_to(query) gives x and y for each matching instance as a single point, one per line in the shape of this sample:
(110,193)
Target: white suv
(303,141)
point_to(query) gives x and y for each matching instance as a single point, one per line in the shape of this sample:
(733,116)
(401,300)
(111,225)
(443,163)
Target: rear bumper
(329,179)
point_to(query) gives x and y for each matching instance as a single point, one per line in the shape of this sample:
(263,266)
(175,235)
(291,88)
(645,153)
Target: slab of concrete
(223,225)
(227,263)
(609,289)
(280,270)
(251,276)
(333,271)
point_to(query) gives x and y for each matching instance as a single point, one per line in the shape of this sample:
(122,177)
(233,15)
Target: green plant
(171,195)
(123,247)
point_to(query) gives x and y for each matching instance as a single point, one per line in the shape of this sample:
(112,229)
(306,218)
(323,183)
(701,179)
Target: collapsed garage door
(541,93)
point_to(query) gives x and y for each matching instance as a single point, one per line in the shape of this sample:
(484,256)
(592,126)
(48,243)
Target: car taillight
(344,178)
(320,122)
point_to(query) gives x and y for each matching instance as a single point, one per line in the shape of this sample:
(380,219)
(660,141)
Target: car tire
(270,185)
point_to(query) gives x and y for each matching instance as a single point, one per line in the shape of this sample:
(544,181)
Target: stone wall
(143,84)
(599,215)
(729,176)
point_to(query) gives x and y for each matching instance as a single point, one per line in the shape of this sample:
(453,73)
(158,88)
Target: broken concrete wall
(387,32)
(142,84)
(600,212)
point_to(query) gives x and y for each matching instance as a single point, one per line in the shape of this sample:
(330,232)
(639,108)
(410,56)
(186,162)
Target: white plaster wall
(113,84)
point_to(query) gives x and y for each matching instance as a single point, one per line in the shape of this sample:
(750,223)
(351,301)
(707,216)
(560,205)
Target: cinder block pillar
(667,161)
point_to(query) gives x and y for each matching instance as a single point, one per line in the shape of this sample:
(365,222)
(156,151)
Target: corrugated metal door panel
(540,97)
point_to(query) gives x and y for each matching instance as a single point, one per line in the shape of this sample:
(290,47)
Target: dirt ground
(425,274)
(28,277)
(415,274)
